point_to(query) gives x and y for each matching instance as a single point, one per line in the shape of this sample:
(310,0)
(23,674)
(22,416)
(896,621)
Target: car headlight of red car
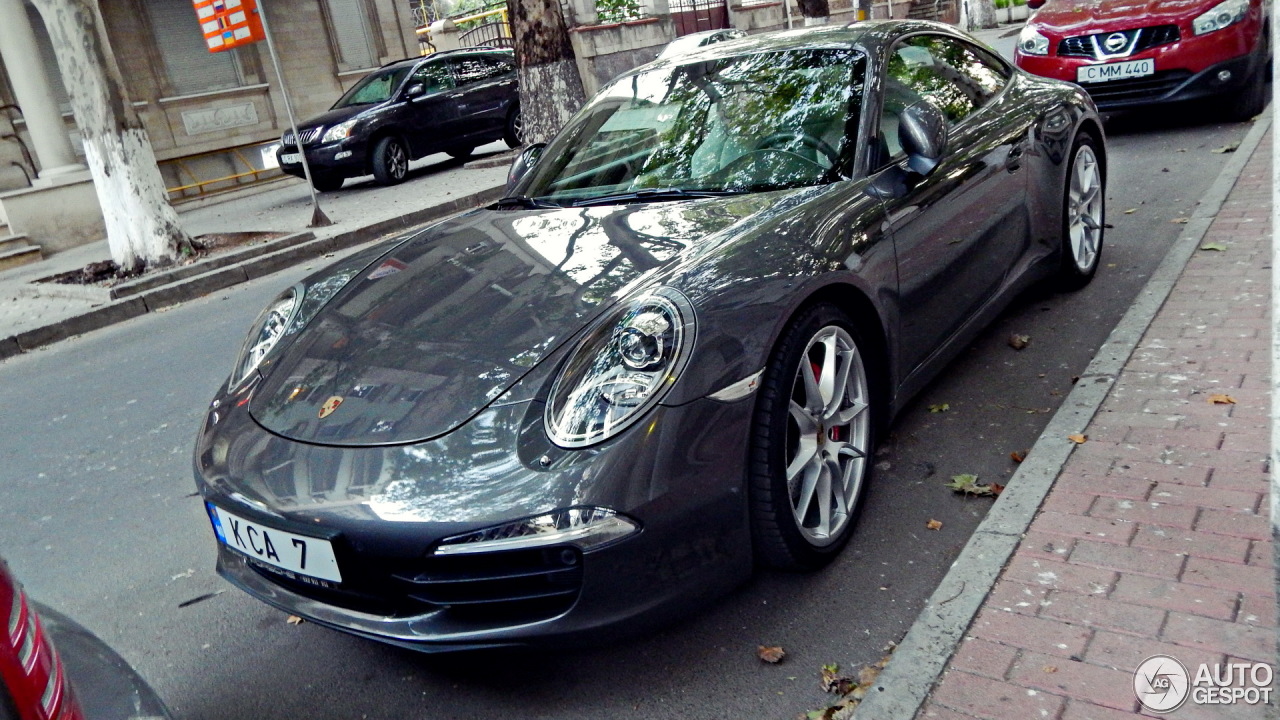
(1222,15)
(621,369)
(1031,42)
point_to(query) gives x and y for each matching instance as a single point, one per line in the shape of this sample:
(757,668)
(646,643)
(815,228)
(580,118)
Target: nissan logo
(1115,42)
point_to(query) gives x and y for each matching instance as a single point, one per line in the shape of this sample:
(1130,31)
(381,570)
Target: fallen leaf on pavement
(771,653)
(934,525)
(1215,246)
(1050,669)
(1017,456)
(1077,438)
(1180,221)
(1017,342)
(1222,400)
(1130,211)
(996,489)
(969,485)
(939,408)
(832,681)
(1228,148)
(294,620)
(868,675)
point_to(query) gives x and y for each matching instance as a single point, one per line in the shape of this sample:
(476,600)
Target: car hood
(333,117)
(441,326)
(1080,17)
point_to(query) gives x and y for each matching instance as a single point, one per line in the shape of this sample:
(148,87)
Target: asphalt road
(98,516)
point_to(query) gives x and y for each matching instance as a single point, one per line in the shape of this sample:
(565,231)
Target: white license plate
(298,554)
(1115,71)
(291,158)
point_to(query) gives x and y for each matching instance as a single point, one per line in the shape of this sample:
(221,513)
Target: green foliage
(1002,4)
(618,10)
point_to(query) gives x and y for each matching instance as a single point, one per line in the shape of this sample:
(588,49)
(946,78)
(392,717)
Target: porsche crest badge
(329,406)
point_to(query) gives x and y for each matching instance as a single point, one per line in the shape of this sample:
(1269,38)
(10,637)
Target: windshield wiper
(524,201)
(653,194)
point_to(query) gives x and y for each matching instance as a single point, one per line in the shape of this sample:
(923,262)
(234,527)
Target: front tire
(812,439)
(390,161)
(1083,215)
(460,153)
(1250,99)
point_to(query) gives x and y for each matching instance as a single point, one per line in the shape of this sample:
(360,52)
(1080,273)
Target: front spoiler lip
(404,632)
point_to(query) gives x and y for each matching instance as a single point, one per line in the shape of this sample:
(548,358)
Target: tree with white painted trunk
(815,12)
(977,14)
(550,87)
(142,227)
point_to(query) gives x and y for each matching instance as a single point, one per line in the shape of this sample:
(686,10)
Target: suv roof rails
(488,48)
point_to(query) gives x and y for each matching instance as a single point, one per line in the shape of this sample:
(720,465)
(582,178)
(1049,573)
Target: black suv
(446,102)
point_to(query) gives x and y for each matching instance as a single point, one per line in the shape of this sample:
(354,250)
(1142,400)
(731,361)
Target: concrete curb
(223,271)
(923,654)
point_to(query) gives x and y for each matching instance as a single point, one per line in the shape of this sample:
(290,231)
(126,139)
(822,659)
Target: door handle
(456,95)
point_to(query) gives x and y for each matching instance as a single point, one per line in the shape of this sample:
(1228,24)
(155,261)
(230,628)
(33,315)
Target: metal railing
(194,173)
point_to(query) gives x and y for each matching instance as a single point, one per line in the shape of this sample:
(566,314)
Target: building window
(351,32)
(188,64)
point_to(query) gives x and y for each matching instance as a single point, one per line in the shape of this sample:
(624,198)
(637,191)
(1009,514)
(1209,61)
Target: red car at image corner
(1128,53)
(44,653)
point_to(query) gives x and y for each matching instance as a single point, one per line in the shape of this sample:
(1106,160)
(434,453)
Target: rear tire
(460,153)
(812,439)
(1083,214)
(514,135)
(390,161)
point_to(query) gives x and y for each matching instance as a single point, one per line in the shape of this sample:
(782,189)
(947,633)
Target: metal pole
(318,218)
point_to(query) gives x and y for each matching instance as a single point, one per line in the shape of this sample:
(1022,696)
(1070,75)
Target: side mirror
(1035,4)
(524,162)
(922,130)
(415,90)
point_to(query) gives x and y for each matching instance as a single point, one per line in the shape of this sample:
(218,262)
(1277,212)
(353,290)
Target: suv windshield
(749,123)
(373,88)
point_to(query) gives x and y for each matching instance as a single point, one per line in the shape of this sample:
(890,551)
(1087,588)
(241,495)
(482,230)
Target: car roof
(870,34)
(478,50)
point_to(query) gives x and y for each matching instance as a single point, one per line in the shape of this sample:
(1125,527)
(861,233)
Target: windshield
(374,88)
(749,123)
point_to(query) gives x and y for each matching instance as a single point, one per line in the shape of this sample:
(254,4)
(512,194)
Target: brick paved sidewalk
(1156,536)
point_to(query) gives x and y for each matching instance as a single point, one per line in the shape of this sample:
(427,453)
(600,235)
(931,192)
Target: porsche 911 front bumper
(678,475)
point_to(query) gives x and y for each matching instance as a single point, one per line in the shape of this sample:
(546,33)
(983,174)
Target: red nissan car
(1127,53)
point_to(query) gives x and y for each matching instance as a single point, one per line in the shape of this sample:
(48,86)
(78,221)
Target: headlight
(621,368)
(266,332)
(341,131)
(1222,15)
(1031,42)
(582,527)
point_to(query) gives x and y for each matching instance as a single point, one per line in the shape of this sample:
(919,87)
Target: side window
(474,68)
(956,77)
(435,76)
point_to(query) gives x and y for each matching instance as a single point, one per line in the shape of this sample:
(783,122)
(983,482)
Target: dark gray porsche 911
(664,357)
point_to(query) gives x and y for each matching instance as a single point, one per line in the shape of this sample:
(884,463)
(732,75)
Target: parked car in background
(52,668)
(693,41)
(1128,54)
(664,356)
(447,102)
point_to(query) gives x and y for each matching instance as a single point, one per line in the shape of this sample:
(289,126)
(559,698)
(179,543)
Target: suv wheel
(461,152)
(390,161)
(514,135)
(326,183)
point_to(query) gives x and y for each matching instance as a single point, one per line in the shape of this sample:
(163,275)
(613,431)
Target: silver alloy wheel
(517,127)
(828,434)
(397,162)
(1084,209)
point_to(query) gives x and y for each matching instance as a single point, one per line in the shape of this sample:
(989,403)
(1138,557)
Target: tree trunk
(142,227)
(977,14)
(550,86)
(815,12)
